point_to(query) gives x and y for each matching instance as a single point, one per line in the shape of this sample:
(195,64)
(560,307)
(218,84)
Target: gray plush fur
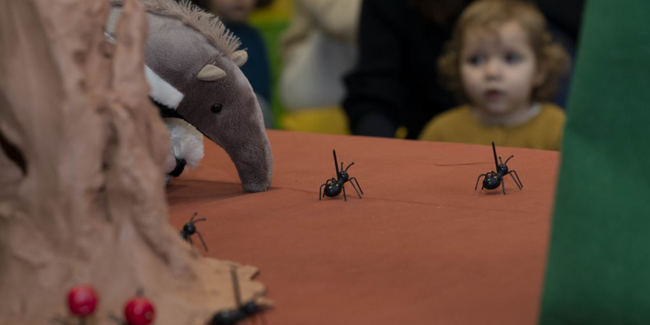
(213,29)
(177,52)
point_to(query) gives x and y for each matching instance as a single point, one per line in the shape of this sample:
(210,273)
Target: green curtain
(598,269)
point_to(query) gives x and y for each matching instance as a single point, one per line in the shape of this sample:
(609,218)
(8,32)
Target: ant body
(334,186)
(233,316)
(189,229)
(493,179)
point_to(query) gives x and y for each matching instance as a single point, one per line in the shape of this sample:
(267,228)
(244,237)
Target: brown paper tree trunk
(81,184)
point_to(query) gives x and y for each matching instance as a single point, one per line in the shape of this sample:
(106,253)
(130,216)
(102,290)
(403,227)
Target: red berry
(139,311)
(82,300)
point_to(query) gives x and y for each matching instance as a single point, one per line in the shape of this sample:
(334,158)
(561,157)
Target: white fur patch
(161,90)
(186,141)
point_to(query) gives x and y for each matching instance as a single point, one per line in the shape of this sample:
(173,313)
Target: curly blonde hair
(551,56)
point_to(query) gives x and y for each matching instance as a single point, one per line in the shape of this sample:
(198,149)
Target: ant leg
(513,178)
(327,182)
(478,179)
(355,189)
(189,239)
(202,242)
(356,180)
(115,318)
(345,198)
(320,191)
(59,320)
(520,183)
(503,185)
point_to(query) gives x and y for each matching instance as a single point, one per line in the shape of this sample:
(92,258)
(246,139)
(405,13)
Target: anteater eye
(216,108)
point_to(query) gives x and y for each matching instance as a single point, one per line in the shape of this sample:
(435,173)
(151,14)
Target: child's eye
(513,58)
(476,60)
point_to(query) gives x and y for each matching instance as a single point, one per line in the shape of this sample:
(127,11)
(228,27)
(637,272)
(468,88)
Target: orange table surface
(421,247)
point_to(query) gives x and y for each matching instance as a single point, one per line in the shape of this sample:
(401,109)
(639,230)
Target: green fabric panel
(598,270)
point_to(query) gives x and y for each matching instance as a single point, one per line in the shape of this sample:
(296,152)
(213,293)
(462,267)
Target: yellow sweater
(544,131)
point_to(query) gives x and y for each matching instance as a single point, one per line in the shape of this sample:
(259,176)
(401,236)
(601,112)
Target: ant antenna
(192,221)
(336,163)
(509,158)
(198,220)
(494,150)
(347,167)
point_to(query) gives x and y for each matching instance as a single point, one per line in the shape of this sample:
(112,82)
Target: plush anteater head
(193,69)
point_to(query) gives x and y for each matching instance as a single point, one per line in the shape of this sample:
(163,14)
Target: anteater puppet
(192,65)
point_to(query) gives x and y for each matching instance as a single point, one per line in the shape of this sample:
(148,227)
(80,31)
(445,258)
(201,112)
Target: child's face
(498,68)
(235,11)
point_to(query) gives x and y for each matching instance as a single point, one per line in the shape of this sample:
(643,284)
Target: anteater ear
(211,73)
(240,57)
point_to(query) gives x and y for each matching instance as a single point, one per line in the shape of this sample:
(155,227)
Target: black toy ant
(493,179)
(334,186)
(233,316)
(189,229)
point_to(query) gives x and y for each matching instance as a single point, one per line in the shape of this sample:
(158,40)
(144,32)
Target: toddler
(502,62)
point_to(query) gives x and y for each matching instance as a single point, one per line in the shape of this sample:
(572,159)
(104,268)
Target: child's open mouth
(494,94)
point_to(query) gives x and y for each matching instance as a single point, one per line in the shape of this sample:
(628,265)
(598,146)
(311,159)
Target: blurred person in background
(503,62)
(317,49)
